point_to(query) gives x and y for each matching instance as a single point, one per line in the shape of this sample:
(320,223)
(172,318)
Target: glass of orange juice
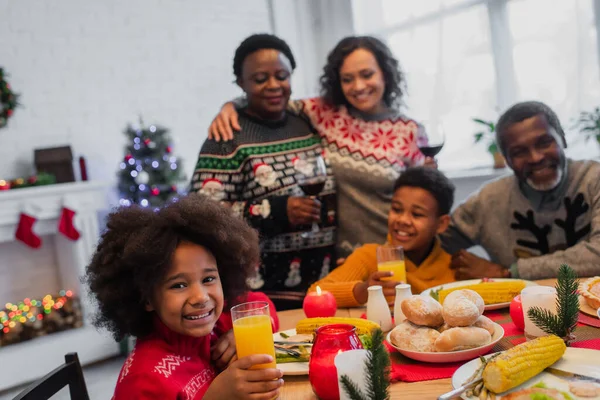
(391,258)
(253,332)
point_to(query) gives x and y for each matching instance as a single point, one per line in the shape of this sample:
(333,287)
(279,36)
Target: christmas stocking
(25,231)
(65,224)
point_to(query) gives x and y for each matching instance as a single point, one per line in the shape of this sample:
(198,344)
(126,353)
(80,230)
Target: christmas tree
(149,173)
(8,100)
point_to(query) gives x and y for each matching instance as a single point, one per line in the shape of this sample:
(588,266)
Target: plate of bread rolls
(453,331)
(496,293)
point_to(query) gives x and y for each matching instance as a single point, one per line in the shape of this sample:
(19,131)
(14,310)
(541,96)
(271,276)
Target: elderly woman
(256,175)
(369,142)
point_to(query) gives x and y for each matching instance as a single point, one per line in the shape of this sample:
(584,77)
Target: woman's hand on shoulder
(223,351)
(224,123)
(239,382)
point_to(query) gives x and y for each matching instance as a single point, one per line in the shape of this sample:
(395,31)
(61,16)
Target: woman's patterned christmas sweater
(255,174)
(366,157)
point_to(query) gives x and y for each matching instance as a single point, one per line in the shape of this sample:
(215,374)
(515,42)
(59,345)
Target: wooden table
(298,387)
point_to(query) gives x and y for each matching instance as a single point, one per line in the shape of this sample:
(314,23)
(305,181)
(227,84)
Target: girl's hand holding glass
(240,382)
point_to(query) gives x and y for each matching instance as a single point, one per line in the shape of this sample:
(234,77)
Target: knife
(571,376)
(459,390)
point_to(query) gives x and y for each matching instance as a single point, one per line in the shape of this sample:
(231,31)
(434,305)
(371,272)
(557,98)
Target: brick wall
(85,68)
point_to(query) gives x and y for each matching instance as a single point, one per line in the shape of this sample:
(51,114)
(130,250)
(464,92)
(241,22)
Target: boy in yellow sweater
(419,212)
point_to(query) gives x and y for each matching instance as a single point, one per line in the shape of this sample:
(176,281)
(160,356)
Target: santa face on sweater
(535,152)
(413,221)
(189,300)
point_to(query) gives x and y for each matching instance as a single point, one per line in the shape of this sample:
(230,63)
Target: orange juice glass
(253,332)
(391,258)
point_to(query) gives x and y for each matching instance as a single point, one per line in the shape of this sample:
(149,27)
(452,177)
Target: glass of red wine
(431,138)
(311,174)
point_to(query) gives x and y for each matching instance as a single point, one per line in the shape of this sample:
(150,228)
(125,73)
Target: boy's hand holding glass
(241,381)
(223,351)
(381,278)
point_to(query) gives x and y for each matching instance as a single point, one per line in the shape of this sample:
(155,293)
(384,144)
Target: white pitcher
(402,292)
(377,308)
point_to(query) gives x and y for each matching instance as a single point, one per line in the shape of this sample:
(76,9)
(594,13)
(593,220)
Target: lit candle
(352,364)
(537,296)
(319,304)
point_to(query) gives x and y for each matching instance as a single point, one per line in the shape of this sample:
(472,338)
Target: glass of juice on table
(391,258)
(253,332)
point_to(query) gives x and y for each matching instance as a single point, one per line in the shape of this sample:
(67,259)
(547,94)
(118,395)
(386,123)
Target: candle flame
(318,290)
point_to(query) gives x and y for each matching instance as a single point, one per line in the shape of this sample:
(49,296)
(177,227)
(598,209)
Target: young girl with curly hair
(168,278)
(369,141)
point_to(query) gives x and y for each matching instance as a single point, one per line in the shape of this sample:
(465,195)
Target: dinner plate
(451,356)
(488,307)
(576,361)
(586,309)
(294,368)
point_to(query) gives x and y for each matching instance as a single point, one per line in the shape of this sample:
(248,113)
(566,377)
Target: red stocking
(25,231)
(65,224)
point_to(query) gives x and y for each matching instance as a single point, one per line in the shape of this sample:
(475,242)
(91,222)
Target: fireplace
(57,265)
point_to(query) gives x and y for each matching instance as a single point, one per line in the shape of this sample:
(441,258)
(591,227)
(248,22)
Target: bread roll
(462,307)
(455,339)
(423,310)
(485,323)
(409,336)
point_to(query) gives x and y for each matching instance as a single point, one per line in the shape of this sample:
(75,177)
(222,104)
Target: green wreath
(8,100)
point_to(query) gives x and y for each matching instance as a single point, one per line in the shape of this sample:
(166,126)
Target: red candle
(516,312)
(4,185)
(319,304)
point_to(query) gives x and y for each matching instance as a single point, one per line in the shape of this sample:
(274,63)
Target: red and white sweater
(367,156)
(168,365)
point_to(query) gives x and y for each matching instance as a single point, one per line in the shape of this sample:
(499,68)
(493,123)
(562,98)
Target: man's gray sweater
(534,242)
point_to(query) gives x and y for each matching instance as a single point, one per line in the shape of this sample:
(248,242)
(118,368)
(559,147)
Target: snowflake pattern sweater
(366,156)
(255,174)
(168,365)
(503,221)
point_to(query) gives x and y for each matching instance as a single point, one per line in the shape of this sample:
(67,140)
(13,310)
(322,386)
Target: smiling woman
(258,173)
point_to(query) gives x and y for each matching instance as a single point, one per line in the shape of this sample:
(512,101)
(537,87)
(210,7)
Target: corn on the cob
(491,292)
(309,325)
(522,362)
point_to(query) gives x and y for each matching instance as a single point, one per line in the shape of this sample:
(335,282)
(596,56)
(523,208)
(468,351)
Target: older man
(545,215)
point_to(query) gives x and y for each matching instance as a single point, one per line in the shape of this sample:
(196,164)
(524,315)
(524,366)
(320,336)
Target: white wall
(85,68)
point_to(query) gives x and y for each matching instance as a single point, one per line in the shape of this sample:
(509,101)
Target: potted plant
(488,135)
(589,124)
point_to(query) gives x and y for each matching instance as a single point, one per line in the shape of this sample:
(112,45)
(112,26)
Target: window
(473,58)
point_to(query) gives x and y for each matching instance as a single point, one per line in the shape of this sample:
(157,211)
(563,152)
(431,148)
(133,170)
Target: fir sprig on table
(564,322)
(377,368)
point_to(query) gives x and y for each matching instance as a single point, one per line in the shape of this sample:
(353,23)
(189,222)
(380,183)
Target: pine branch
(352,389)
(564,322)
(545,320)
(567,302)
(378,363)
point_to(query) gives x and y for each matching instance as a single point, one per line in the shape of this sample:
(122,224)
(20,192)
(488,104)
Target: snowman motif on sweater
(294,278)
(326,266)
(256,281)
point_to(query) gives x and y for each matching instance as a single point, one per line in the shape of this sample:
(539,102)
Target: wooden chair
(70,373)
